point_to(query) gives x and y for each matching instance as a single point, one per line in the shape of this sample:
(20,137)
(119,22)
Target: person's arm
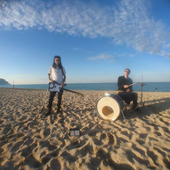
(64,75)
(120,84)
(130,87)
(49,76)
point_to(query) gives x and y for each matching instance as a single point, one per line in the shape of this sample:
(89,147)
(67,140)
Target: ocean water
(149,86)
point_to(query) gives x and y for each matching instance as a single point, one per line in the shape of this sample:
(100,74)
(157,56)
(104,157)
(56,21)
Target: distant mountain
(3,82)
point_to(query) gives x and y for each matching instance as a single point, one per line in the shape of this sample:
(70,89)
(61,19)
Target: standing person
(56,74)
(125,90)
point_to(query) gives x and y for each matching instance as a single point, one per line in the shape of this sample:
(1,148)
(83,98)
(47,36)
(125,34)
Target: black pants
(129,96)
(51,98)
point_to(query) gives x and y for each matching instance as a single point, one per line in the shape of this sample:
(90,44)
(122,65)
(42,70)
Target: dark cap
(127,69)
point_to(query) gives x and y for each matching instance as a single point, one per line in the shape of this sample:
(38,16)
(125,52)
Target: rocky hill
(3,82)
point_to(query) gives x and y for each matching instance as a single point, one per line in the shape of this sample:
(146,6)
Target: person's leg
(51,98)
(119,91)
(125,96)
(59,100)
(134,99)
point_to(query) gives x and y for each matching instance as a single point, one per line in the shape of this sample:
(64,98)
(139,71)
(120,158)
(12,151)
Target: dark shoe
(58,110)
(48,113)
(134,107)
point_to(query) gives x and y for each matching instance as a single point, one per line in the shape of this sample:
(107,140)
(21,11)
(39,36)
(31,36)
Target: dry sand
(29,140)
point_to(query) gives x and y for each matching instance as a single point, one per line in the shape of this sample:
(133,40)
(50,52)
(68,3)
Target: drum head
(108,108)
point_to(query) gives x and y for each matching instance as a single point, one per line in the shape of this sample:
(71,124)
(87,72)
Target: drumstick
(132,84)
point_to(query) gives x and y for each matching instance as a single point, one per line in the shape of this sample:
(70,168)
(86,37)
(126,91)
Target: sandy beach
(28,140)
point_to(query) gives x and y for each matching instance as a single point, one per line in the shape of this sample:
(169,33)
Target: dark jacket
(123,81)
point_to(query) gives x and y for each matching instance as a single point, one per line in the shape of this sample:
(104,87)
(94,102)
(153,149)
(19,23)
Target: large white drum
(109,106)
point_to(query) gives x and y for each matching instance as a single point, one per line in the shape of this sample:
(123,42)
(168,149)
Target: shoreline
(30,141)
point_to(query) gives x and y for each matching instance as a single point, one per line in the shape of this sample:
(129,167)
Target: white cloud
(167,55)
(81,50)
(121,55)
(127,22)
(100,57)
(167,45)
(131,55)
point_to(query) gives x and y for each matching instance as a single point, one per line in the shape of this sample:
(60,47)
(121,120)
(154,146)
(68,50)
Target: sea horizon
(110,86)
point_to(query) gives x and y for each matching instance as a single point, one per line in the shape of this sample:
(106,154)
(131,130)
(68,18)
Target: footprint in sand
(45,133)
(55,164)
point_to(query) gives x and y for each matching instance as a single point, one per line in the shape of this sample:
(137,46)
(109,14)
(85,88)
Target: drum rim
(112,98)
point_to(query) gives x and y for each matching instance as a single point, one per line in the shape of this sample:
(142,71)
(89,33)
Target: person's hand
(62,85)
(128,90)
(126,86)
(51,81)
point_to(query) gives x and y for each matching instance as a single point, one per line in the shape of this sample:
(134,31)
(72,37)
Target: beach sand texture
(29,140)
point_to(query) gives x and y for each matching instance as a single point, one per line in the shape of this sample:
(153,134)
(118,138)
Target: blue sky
(97,39)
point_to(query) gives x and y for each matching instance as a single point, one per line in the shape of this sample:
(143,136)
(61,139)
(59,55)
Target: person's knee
(135,94)
(117,92)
